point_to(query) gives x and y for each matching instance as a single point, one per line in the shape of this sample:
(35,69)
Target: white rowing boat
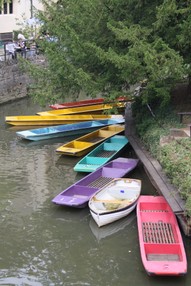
(115,201)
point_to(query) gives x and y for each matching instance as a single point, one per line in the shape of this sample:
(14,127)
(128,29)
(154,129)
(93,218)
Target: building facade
(15,14)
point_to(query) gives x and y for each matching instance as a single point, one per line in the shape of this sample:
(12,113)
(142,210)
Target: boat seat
(114,201)
(123,194)
(163,257)
(105,153)
(93,140)
(158,232)
(80,196)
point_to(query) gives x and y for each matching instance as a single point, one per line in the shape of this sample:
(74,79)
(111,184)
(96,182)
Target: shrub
(174,157)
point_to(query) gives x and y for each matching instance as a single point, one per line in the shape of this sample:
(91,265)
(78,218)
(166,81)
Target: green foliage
(150,130)
(4,1)
(175,159)
(174,156)
(103,47)
(173,25)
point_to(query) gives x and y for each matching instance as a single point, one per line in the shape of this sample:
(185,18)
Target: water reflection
(59,141)
(111,229)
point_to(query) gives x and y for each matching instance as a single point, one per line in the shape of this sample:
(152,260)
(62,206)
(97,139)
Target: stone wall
(13,82)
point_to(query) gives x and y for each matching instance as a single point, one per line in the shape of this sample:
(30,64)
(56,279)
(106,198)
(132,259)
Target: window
(7,7)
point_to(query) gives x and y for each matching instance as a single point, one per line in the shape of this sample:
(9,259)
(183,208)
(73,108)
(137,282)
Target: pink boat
(161,246)
(86,102)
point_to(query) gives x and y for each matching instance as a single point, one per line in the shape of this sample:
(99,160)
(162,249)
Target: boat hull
(161,246)
(102,154)
(65,130)
(86,102)
(114,201)
(35,120)
(108,218)
(78,194)
(82,109)
(84,144)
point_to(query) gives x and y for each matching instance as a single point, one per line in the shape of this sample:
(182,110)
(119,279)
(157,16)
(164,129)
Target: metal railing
(11,56)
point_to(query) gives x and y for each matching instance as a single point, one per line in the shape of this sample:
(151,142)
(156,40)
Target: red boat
(86,102)
(161,246)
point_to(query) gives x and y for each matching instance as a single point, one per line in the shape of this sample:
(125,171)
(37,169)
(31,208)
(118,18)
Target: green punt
(102,154)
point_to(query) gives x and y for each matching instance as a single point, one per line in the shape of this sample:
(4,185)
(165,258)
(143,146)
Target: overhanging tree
(103,47)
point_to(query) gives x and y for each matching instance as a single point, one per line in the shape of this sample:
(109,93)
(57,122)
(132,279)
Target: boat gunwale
(83,166)
(63,148)
(126,207)
(91,101)
(82,109)
(114,211)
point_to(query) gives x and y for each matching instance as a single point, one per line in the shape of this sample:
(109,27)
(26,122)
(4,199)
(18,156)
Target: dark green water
(44,244)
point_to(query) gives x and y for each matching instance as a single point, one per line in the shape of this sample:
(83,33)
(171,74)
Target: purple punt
(78,194)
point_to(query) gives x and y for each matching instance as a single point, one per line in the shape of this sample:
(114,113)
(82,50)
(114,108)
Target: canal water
(42,244)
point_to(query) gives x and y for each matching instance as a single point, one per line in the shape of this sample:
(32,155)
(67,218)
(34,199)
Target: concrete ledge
(175,132)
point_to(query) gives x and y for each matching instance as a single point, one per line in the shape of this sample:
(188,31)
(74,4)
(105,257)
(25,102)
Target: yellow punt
(33,120)
(86,143)
(82,109)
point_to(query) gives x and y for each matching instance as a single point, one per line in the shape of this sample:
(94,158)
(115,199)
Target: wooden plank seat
(163,257)
(158,232)
(100,182)
(105,153)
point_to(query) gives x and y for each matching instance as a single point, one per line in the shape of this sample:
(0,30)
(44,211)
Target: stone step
(180,132)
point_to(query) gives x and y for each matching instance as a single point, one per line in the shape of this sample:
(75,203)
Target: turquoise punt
(102,154)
